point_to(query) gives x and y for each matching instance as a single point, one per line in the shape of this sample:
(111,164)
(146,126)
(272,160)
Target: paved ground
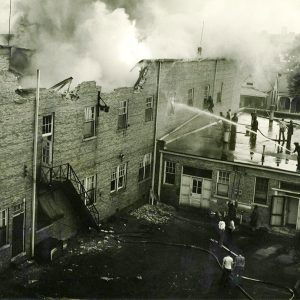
(121,265)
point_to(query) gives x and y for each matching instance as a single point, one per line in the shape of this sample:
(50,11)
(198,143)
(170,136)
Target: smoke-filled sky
(102,40)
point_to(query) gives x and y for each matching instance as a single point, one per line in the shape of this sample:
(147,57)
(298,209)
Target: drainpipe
(160,174)
(35,143)
(155,127)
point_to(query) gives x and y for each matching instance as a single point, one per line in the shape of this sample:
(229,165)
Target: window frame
(147,162)
(123,111)
(4,218)
(149,109)
(47,125)
(169,168)
(118,172)
(87,182)
(264,188)
(87,120)
(220,179)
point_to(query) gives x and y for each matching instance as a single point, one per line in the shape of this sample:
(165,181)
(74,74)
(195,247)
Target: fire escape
(64,177)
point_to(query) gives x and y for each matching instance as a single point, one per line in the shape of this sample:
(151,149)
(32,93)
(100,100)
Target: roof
(252,92)
(181,60)
(208,143)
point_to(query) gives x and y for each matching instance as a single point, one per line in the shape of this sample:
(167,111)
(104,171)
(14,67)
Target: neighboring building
(95,151)
(284,101)
(199,170)
(252,97)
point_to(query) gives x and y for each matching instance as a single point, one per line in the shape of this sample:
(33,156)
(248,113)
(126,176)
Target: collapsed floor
(128,259)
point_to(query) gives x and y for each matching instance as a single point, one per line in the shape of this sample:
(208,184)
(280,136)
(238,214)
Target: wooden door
(18,234)
(206,193)
(185,190)
(277,210)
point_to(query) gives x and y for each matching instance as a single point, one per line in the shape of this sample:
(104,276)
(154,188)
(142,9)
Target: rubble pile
(155,214)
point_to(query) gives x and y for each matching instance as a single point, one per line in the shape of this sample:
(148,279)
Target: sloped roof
(252,92)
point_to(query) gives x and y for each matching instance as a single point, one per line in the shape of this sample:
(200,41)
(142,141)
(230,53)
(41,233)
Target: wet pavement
(141,258)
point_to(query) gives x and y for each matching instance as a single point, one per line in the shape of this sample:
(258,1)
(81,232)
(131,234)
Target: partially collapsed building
(96,151)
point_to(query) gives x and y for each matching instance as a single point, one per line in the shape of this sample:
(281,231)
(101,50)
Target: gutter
(231,163)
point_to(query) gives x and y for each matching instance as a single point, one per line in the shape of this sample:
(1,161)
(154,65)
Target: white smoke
(102,40)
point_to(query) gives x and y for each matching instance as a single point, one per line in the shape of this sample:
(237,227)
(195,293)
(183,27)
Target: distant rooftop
(208,144)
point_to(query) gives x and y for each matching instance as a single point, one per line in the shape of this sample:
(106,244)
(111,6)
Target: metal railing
(65,172)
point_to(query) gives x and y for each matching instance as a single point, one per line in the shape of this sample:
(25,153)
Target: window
(118,178)
(197,186)
(89,122)
(219,95)
(123,113)
(47,126)
(170,172)
(223,184)
(149,109)
(145,167)
(190,97)
(261,190)
(3,227)
(206,91)
(90,189)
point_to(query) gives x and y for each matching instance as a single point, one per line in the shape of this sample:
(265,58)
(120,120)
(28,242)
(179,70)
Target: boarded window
(190,97)
(3,227)
(261,190)
(223,183)
(170,168)
(123,114)
(89,122)
(149,109)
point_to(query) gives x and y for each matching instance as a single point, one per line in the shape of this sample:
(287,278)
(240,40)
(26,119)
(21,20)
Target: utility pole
(35,144)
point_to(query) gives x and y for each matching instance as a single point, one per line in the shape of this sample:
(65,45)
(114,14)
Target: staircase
(65,178)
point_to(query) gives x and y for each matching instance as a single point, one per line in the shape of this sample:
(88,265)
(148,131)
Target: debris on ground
(156,214)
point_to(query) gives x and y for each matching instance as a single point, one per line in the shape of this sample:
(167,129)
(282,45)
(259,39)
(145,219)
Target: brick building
(198,169)
(95,151)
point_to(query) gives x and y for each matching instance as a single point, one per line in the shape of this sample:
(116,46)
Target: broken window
(89,122)
(190,97)
(145,167)
(3,227)
(90,190)
(219,95)
(149,109)
(118,178)
(170,168)
(223,183)
(123,114)
(261,190)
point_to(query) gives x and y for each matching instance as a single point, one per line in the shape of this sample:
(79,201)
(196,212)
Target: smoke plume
(103,39)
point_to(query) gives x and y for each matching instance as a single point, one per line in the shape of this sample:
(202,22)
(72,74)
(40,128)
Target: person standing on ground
(210,104)
(230,230)
(233,132)
(290,131)
(254,218)
(227,266)
(282,128)
(222,226)
(232,209)
(238,269)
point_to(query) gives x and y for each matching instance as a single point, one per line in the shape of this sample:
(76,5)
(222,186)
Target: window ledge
(259,204)
(4,247)
(169,184)
(144,180)
(118,191)
(89,139)
(221,197)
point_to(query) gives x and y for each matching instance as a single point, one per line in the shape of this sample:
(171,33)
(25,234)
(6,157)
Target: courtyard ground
(132,257)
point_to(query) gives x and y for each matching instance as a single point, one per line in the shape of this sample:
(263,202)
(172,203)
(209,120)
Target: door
(206,193)
(291,211)
(185,190)
(18,234)
(47,147)
(277,210)
(196,192)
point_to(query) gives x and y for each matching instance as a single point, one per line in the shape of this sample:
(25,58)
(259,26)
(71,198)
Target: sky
(103,40)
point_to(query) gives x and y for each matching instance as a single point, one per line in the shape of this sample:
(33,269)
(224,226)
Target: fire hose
(213,255)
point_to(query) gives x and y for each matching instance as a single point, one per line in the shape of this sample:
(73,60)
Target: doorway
(18,230)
